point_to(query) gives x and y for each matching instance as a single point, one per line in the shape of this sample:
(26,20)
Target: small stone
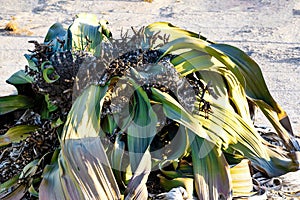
(296,9)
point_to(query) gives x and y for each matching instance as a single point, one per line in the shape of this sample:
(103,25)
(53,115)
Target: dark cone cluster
(60,91)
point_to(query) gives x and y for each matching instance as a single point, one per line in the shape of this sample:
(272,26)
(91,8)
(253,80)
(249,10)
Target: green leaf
(186,56)
(56,30)
(109,124)
(16,134)
(179,144)
(257,90)
(176,112)
(33,191)
(171,31)
(88,33)
(241,138)
(190,65)
(57,123)
(142,128)
(137,188)
(227,90)
(186,182)
(53,180)
(10,183)
(51,107)
(58,37)
(49,71)
(83,170)
(289,141)
(29,169)
(236,94)
(211,171)
(20,77)
(184,169)
(17,192)
(116,160)
(187,43)
(32,62)
(232,129)
(14,102)
(255,86)
(218,86)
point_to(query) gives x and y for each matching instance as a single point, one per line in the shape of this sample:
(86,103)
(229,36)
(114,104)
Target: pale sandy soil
(268,30)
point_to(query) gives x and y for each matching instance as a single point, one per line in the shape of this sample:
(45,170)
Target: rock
(296,9)
(290,182)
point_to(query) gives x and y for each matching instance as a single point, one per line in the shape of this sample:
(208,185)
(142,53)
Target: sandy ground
(268,30)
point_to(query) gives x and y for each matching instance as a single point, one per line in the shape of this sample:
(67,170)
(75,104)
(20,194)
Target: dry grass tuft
(13,28)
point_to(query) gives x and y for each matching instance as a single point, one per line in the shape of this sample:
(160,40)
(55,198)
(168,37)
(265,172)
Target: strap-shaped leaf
(55,180)
(49,71)
(14,102)
(227,90)
(17,193)
(241,137)
(57,36)
(20,77)
(16,134)
(142,128)
(202,62)
(289,141)
(242,185)
(11,188)
(84,171)
(255,86)
(136,188)
(211,171)
(171,31)
(186,182)
(202,46)
(176,112)
(117,160)
(88,32)
(179,144)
